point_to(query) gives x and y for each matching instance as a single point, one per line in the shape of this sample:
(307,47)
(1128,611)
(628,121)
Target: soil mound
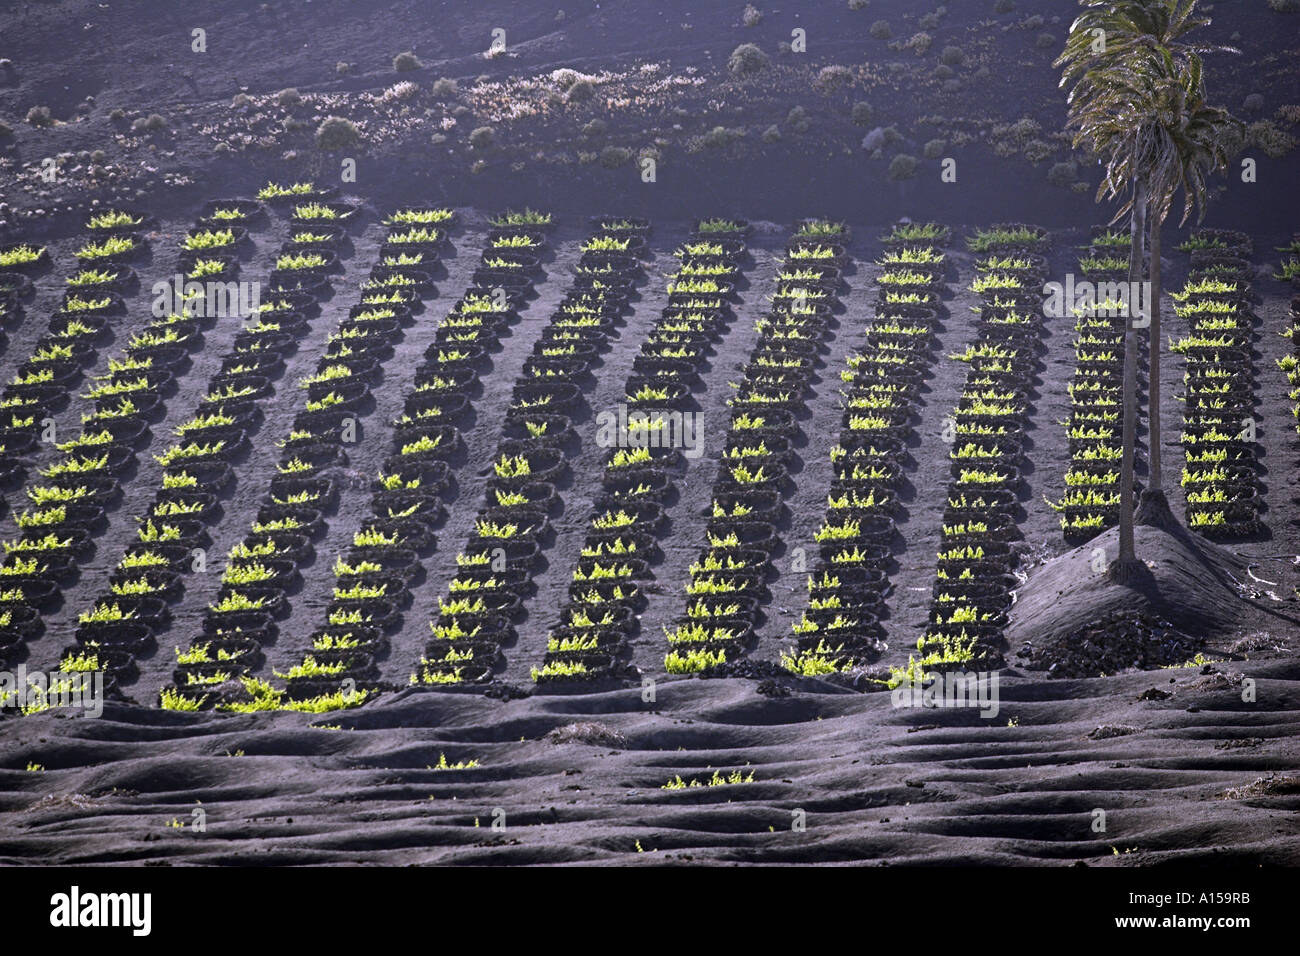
(1116,642)
(1071,615)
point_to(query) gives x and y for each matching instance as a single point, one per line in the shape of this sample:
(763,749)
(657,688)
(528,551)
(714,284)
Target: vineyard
(295,475)
(618,434)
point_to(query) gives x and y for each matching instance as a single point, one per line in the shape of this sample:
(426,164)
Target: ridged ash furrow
(27,261)
(1094,425)
(26,300)
(840,628)
(74,504)
(728,585)
(1278,385)
(1221,473)
(582,779)
(492,395)
(197,471)
(77,492)
(645,432)
(1087,496)
(476,619)
(138,496)
(275,415)
(367,456)
(264,568)
(434,404)
(973,582)
(61,359)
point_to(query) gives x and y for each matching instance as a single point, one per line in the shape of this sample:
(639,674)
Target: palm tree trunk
(1153,507)
(1154,482)
(1127,565)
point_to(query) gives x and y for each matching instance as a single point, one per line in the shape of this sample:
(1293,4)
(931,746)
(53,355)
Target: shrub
(858,4)
(581,89)
(720,136)
(565,78)
(240,99)
(943,72)
(1037,150)
(288,97)
(39,116)
(879,138)
(342,68)
(335,132)
(612,157)
(934,148)
(149,124)
(404,62)
(902,167)
(1284,6)
(445,87)
(1253,103)
(1025,127)
(880,30)
(862,113)
(481,137)
(1045,40)
(1063,174)
(772,134)
(1004,6)
(953,56)
(1032,23)
(1264,135)
(920,42)
(1010,138)
(595,128)
(99,157)
(752,16)
(746,60)
(797,119)
(117,114)
(833,77)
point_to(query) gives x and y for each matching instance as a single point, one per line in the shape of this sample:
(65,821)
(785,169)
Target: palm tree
(1197,135)
(1112,121)
(1138,100)
(1127,27)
